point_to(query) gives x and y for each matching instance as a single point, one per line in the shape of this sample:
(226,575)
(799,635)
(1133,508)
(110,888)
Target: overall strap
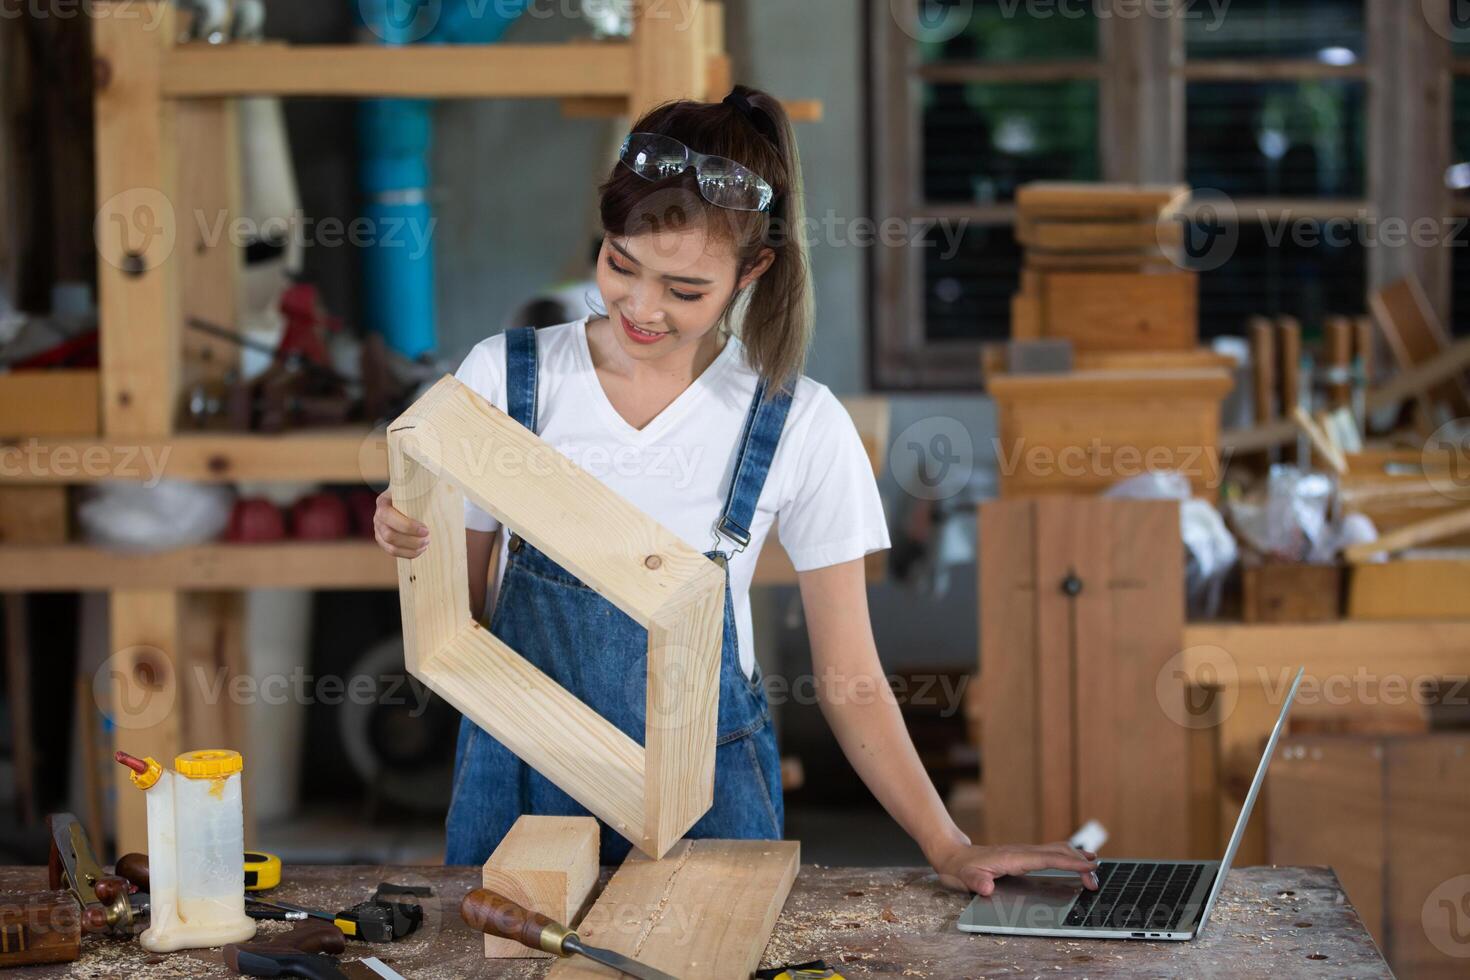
(757,446)
(520,375)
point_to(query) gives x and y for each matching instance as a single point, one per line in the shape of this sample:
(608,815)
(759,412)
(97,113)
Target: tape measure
(262,871)
(815,970)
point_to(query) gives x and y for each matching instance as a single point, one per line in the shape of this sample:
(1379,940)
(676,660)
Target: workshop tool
(813,970)
(44,927)
(262,870)
(196,835)
(386,917)
(487,911)
(109,903)
(305,951)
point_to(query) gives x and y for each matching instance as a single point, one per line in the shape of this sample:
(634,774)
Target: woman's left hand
(976,868)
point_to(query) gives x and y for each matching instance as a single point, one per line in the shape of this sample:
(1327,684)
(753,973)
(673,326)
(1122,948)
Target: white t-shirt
(677,468)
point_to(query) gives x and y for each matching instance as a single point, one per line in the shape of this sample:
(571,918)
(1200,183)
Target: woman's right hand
(397,533)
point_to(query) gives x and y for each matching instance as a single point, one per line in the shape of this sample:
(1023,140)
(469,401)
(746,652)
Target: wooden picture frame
(451,445)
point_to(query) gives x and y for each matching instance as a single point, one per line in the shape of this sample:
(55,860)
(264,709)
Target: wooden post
(668,53)
(146,696)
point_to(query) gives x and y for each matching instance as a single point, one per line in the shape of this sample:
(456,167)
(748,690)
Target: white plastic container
(196,850)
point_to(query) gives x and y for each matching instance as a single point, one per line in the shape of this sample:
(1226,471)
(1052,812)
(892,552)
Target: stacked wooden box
(1098,270)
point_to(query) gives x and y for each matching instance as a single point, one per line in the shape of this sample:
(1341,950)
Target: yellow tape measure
(262,871)
(815,970)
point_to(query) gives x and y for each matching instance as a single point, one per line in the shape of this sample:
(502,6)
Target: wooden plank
(1416,648)
(143,679)
(547,864)
(347,564)
(1428,854)
(1263,369)
(1421,532)
(49,403)
(1290,592)
(437,71)
(705,910)
(1092,199)
(137,224)
(1452,362)
(1122,311)
(1289,352)
(1412,588)
(1083,237)
(1327,807)
(349,455)
(207,131)
(212,645)
(1068,632)
(1010,720)
(1415,335)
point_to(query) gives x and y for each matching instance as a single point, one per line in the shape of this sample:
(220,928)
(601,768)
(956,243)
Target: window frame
(1142,74)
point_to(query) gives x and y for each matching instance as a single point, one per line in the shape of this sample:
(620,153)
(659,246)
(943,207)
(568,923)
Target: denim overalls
(598,653)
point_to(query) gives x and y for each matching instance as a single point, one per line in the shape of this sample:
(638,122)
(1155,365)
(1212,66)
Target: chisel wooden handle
(134,867)
(493,913)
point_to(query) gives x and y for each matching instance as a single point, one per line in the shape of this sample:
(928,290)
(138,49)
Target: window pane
(1325,30)
(967,296)
(1277,139)
(981,140)
(1308,274)
(1002,30)
(1460,288)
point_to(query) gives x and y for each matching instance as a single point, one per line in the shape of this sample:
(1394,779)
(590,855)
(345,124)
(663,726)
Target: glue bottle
(196,836)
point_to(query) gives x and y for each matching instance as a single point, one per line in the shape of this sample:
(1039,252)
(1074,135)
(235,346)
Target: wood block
(548,865)
(1122,311)
(44,927)
(1084,431)
(1140,260)
(1290,592)
(1412,588)
(33,515)
(1089,199)
(1078,238)
(705,910)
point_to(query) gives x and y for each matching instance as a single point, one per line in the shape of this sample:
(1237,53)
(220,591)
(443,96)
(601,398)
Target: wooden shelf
(347,564)
(325,456)
(430,71)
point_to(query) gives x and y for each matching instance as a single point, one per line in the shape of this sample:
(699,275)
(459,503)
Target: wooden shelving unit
(165,139)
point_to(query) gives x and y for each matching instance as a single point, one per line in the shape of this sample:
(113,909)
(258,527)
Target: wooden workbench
(1286,922)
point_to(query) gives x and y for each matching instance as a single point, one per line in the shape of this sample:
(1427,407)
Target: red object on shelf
(362,504)
(320,517)
(255,519)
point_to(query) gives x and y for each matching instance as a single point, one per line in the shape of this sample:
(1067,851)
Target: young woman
(717,437)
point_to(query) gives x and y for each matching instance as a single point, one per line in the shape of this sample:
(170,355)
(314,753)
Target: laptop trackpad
(1039,900)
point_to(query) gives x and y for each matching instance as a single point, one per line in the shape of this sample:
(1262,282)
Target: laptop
(1136,899)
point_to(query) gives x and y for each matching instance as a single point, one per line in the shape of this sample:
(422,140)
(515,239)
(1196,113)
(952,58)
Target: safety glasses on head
(722,181)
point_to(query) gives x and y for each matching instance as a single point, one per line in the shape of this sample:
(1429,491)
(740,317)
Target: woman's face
(665,290)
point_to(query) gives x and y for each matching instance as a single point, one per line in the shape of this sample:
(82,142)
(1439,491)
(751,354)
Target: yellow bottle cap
(146,779)
(209,763)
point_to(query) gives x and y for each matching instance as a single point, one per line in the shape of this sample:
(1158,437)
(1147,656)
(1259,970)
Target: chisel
(487,911)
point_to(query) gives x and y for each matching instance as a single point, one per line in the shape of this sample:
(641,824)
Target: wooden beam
(146,698)
(430,71)
(1270,652)
(49,403)
(316,456)
(706,910)
(668,53)
(546,864)
(1411,536)
(137,225)
(209,264)
(1267,69)
(452,444)
(347,564)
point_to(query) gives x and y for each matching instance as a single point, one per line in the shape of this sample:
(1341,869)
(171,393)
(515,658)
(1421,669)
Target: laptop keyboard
(1136,896)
